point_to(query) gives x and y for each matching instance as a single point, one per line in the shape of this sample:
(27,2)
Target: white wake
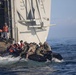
(57,60)
(8,60)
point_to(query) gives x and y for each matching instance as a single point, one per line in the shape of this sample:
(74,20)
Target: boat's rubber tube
(37,58)
(49,55)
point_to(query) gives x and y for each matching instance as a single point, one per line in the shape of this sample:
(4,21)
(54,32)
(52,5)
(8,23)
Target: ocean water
(67,48)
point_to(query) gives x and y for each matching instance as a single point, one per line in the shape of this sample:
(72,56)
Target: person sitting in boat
(14,49)
(10,49)
(46,46)
(21,44)
(37,46)
(31,50)
(40,50)
(43,49)
(26,48)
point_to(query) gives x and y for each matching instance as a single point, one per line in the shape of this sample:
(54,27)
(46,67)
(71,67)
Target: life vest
(5,28)
(21,45)
(11,50)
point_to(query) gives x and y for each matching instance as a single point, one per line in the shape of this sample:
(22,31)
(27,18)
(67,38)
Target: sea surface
(66,47)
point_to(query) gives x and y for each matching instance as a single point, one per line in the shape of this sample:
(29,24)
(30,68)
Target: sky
(63,14)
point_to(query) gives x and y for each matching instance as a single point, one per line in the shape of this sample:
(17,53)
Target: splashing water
(8,60)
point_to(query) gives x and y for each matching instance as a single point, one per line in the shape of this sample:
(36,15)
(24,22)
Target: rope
(36,35)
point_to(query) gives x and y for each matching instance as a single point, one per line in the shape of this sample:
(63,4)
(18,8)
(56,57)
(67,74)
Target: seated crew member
(31,50)
(43,49)
(26,48)
(35,45)
(15,49)
(46,46)
(22,44)
(47,50)
(11,48)
(40,50)
(18,48)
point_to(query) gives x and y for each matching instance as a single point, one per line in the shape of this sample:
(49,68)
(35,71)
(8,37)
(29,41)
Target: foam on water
(56,60)
(8,60)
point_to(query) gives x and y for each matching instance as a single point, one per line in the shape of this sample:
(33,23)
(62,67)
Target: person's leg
(6,35)
(30,53)
(2,34)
